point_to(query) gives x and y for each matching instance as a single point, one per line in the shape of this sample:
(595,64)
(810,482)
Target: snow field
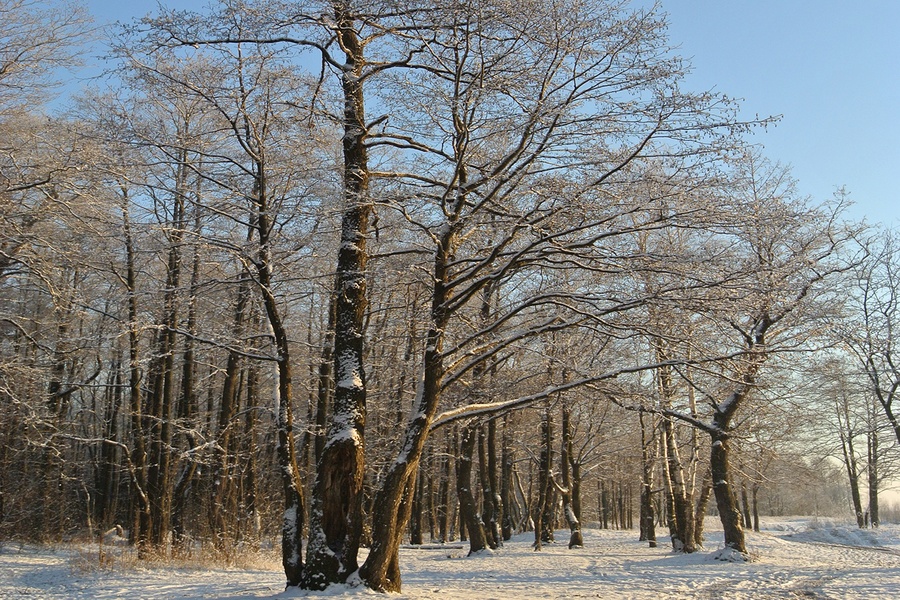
(792,557)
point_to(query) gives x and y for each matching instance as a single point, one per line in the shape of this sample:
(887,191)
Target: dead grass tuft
(92,558)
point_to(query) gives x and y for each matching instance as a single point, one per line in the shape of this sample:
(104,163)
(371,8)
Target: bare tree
(499,148)
(784,251)
(868,333)
(37,41)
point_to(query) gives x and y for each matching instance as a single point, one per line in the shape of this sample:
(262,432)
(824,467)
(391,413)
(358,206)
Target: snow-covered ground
(792,557)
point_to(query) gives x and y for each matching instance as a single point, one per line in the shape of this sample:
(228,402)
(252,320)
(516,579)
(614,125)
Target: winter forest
(341,276)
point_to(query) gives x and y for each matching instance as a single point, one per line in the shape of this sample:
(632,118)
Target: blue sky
(830,68)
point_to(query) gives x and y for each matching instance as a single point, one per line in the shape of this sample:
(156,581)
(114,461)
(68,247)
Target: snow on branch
(492,409)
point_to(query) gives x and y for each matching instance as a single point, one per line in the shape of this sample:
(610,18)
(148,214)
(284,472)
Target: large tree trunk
(392,505)
(391,512)
(286,454)
(336,513)
(720,468)
(726,501)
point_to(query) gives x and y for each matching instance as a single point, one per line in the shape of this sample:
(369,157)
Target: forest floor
(797,557)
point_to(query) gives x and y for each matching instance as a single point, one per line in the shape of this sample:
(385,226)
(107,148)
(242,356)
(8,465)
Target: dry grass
(98,557)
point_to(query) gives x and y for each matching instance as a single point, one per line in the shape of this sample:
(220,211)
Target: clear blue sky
(830,68)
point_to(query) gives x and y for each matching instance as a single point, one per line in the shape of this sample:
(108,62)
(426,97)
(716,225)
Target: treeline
(366,272)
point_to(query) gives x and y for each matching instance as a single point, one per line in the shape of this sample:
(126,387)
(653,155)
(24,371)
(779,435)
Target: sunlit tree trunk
(336,510)
(570,485)
(647,515)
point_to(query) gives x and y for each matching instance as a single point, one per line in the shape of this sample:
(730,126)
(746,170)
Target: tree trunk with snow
(507,491)
(541,511)
(487,471)
(468,507)
(700,511)
(443,496)
(388,520)
(726,500)
(336,511)
(647,517)
(576,540)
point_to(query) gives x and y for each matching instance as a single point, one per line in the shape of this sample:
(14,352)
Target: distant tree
(868,333)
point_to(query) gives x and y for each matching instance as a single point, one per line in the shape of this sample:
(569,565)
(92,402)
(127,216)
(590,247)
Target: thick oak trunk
(726,500)
(337,505)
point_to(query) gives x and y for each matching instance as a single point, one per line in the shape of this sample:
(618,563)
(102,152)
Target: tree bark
(137,459)
(702,503)
(336,512)
(507,492)
(443,505)
(467,506)
(487,468)
(541,509)
(874,517)
(726,501)
(576,540)
(853,477)
(647,516)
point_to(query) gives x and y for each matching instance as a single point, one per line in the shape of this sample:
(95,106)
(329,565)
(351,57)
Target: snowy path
(792,561)
(615,566)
